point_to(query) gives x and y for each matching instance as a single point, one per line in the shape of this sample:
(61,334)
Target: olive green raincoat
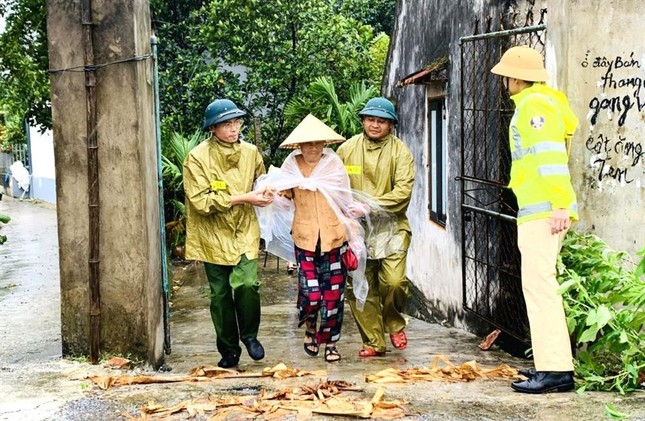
(217,232)
(384,170)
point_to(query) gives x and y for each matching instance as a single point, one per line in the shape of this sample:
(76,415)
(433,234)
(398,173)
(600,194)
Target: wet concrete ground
(37,384)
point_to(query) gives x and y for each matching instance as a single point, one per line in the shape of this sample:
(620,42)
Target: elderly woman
(314,178)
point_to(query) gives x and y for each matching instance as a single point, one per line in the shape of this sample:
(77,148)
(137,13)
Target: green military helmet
(219,111)
(380,107)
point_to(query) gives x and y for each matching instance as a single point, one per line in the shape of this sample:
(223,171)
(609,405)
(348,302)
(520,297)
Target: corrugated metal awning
(435,71)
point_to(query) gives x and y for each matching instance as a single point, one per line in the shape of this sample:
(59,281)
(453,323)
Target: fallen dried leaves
(119,362)
(200,374)
(322,398)
(306,400)
(490,339)
(448,372)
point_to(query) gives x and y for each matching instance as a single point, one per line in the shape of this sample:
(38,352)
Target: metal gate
(491,260)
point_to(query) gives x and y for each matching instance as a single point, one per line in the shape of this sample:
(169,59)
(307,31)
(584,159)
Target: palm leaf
(322,101)
(172,163)
(181,145)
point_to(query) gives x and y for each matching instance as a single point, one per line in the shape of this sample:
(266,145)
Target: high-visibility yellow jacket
(217,232)
(538,131)
(383,169)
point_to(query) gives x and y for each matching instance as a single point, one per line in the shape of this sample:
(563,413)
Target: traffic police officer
(540,179)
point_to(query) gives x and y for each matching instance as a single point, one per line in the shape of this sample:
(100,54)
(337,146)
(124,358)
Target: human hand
(356,209)
(559,221)
(269,191)
(259,198)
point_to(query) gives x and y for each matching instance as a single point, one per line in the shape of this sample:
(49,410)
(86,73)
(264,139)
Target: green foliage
(24,86)
(189,77)
(605,306)
(4,219)
(378,14)
(279,47)
(261,55)
(172,161)
(321,100)
(378,57)
(614,414)
(81,359)
(640,270)
(4,144)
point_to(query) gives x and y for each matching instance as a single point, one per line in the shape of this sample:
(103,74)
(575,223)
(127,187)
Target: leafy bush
(3,220)
(604,300)
(172,165)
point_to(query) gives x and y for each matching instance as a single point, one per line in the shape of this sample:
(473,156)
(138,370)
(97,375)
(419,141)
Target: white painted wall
(43,168)
(434,254)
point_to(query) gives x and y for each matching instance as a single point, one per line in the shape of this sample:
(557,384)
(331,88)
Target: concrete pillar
(131,312)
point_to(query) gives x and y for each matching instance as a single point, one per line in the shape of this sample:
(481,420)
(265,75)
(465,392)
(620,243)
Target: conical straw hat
(311,129)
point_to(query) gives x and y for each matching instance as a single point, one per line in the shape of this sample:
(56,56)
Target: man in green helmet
(222,230)
(381,165)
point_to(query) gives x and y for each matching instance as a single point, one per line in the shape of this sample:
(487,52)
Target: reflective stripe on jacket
(540,175)
(217,232)
(383,169)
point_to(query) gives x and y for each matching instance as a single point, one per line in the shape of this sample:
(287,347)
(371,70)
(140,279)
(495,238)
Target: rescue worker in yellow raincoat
(381,165)
(540,179)
(222,229)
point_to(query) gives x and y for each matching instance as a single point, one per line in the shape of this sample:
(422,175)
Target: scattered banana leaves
(200,374)
(442,369)
(323,399)
(326,398)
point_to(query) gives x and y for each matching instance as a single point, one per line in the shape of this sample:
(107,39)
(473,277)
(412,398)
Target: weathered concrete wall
(603,77)
(601,66)
(424,31)
(130,267)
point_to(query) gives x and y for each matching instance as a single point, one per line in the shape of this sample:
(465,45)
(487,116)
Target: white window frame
(437,160)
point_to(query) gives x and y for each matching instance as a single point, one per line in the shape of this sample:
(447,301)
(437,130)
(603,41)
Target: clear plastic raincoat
(330,178)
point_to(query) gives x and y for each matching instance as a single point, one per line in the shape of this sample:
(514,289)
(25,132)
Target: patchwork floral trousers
(321,292)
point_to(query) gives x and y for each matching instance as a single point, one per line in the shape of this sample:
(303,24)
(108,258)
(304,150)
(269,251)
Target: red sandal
(399,340)
(370,352)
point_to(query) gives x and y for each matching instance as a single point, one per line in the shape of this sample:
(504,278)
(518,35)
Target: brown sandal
(331,354)
(310,346)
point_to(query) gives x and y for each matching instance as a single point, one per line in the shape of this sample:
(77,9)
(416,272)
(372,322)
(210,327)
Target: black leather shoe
(544,382)
(228,361)
(527,372)
(254,348)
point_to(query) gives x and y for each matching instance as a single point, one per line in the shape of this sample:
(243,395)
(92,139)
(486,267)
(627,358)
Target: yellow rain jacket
(217,232)
(384,170)
(538,131)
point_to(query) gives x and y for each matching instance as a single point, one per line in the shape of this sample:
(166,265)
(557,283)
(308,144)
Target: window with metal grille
(437,160)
